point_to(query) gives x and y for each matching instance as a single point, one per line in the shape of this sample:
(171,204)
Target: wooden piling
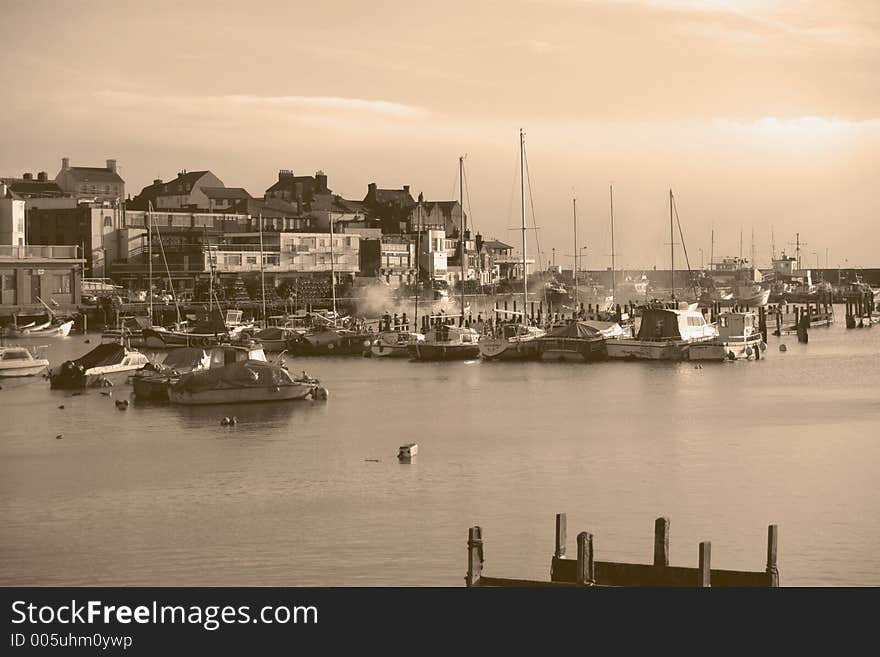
(475,556)
(772,539)
(561,531)
(585,569)
(661,542)
(705,564)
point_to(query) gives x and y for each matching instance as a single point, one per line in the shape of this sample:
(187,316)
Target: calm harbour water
(163,495)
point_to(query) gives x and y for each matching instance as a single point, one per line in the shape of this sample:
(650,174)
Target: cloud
(317,104)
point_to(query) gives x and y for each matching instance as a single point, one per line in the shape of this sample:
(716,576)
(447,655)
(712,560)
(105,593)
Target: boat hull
(381,350)
(440,352)
(647,349)
(32,368)
(578,351)
(58,331)
(506,349)
(250,394)
(156,339)
(152,387)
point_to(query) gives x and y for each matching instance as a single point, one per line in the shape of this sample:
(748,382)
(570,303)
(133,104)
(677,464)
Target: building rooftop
(234,193)
(95,175)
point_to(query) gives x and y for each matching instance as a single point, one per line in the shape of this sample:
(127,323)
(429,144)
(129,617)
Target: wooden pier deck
(585,570)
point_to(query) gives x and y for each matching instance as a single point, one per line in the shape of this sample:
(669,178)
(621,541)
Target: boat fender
(330,347)
(731,355)
(763,346)
(782,347)
(749,351)
(320,393)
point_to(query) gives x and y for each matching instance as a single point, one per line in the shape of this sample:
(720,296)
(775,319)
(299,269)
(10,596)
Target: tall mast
(415,328)
(522,192)
(752,250)
(712,250)
(613,275)
(332,269)
(262,272)
(463,240)
(671,244)
(150,256)
(574,210)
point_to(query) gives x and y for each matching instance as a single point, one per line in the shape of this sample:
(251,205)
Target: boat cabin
(454,334)
(229,354)
(674,324)
(738,327)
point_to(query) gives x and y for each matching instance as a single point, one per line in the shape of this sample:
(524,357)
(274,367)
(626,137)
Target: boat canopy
(659,323)
(587,329)
(271,333)
(186,358)
(244,374)
(102,356)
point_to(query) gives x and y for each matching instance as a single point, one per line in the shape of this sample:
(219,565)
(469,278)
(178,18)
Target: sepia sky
(758,113)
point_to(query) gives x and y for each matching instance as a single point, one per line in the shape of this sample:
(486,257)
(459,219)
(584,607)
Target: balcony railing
(65,252)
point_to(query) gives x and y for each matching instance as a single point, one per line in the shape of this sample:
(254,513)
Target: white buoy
(782,347)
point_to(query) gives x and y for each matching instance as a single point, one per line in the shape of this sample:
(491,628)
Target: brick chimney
(65,163)
(111,165)
(371,191)
(157,181)
(42,176)
(320,182)
(285,173)
(406,189)
(2,190)
(27,176)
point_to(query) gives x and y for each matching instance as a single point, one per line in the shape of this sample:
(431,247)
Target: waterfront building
(33,189)
(52,273)
(85,225)
(391,208)
(12,217)
(390,258)
(91,183)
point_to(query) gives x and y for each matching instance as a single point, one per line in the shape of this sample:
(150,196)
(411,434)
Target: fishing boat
(516,341)
(241,382)
(276,338)
(210,329)
(579,341)
(154,380)
(739,337)
(18,361)
(447,342)
(93,368)
(394,344)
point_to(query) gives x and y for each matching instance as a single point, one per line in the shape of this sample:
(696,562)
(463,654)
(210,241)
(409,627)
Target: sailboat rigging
(518,341)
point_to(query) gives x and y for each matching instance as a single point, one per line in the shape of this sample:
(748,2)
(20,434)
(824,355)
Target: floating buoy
(121,404)
(59,436)
(233,421)
(61,407)
(320,393)
(782,347)
(698,367)
(87,341)
(225,422)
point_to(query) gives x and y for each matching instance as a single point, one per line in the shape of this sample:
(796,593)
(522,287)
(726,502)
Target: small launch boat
(447,342)
(581,341)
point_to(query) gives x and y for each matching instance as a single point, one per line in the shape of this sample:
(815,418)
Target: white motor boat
(20,361)
(664,334)
(92,368)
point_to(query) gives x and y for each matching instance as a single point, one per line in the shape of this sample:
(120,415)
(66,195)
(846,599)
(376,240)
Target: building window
(61,284)
(252,260)
(108,222)
(232,259)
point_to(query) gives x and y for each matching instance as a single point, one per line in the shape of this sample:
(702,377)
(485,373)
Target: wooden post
(772,540)
(585,573)
(475,556)
(705,565)
(661,542)
(561,527)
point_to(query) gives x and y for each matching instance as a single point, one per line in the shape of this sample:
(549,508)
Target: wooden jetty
(585,570)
